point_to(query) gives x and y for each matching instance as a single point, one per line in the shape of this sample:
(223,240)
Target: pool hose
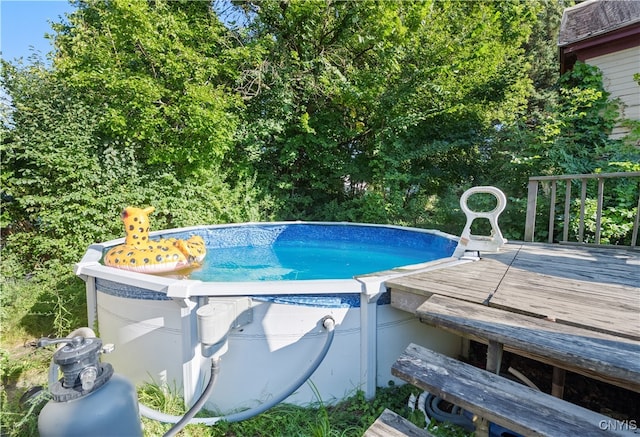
(327,322)
(457,416)
(215,370)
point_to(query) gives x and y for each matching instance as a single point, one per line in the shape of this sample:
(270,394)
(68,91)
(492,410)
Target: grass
(351,417)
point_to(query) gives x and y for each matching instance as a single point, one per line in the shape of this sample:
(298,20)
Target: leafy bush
(65,185)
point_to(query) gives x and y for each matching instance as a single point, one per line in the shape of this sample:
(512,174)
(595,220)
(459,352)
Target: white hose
(522,378)
(327,322)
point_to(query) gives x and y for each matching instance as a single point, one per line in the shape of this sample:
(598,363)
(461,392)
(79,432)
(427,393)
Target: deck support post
(557,382)
(494,357)
(465,347)
(494,361)
(530,220)
(482,428)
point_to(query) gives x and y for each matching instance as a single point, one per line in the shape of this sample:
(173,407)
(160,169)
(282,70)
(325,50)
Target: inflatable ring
(141,254)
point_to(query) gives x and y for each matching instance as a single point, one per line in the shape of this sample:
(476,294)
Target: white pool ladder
(486,243)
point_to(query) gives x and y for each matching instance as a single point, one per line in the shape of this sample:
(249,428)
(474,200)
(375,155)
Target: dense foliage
(249,110)
(368,108)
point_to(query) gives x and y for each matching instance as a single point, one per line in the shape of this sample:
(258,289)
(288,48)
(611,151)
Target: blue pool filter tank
(90,399)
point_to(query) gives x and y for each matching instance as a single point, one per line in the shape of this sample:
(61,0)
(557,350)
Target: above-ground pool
(279,281)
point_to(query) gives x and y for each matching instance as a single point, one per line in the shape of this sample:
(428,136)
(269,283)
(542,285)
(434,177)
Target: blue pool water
(313,251)
(259,252)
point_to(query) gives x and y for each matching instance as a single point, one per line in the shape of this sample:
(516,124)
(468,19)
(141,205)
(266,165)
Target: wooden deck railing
(551,184)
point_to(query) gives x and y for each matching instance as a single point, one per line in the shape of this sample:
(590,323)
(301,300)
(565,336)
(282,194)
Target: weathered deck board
(583,289)
(578,350)
(390,424)
(609,266)
(593,288)
(474,284)
(497,399)
(610,312)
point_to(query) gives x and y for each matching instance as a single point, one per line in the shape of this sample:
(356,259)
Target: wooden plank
(552,212)
(538,294)
(550,361)
(587,287)
(618,174)
(600,201)
(583,196)
(612,297)
(567,211)
(406,301)
(497,399)
(592,270)
(530,220)
(612,309)
(636,226)
(614,267)
(390,424)
(570,284)
(544,302)
(574,349)
(473,281)
(428,288)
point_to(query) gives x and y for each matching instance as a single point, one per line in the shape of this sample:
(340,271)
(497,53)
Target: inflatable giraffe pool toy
(140,254)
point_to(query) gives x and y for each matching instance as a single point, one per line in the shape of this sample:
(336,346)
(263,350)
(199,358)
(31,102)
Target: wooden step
(596,355)
(499,400)
(390,424)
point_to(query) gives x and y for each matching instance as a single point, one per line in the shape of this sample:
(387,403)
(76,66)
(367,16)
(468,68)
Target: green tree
(160,72)
(387,99)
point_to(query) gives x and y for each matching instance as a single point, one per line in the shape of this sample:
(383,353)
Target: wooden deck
(592,294)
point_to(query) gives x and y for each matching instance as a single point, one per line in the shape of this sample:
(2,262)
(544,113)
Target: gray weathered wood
(390,424)
(600,202)
(494,356)
(597,289)
(557,382)
(583,196)
(407,301)
(578,350)
(532,196)
(470,281)
(608,266)
(636,226)
(567,211)
(497,399)
(552,211)
(619,174)
(530,220)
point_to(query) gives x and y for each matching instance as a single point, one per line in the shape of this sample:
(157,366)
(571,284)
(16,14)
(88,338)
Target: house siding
(618,69)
